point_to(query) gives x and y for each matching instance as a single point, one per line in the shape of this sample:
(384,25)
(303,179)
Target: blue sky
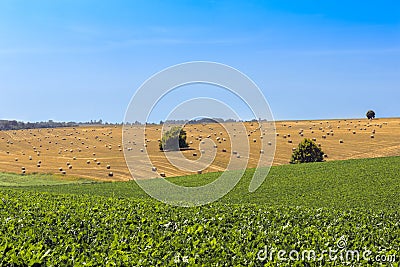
(83,60)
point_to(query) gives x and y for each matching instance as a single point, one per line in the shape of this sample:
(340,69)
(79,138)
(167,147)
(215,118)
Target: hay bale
(110,174)
(163,174)
(341,141)
(154,169)
(199,172)
(108,167)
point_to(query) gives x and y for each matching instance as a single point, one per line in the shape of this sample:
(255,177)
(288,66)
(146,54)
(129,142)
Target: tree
(173,140)
(307,151)
(370,114)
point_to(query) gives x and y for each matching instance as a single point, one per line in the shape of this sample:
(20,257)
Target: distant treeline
(181,122)
(18,125)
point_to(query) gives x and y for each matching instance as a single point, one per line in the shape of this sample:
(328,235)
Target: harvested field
(95,152)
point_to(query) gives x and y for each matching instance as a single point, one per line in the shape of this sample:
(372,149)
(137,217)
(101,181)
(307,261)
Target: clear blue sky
(83,60)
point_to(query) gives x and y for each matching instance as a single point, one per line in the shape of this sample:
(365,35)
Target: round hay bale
(199,172)
(108,167)
(162,174)
(110,174)
(154,169)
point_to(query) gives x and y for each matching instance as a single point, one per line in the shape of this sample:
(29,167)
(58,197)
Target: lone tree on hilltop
(370,114)
(173,140)
(307,151)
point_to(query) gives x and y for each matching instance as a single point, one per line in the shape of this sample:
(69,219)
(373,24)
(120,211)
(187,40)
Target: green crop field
(350,207)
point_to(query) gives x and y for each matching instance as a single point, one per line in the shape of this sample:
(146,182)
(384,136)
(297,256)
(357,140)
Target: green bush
(173,140)
(307,151)
(370,114)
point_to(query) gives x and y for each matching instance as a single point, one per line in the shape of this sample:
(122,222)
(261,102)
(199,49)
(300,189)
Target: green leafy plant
(173,140)
(117,224)
(370,114)
(307,151)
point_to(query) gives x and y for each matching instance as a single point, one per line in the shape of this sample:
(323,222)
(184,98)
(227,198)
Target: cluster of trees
(173,140)
(18,125)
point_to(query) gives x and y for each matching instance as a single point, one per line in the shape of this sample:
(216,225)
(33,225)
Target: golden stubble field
(94,152)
